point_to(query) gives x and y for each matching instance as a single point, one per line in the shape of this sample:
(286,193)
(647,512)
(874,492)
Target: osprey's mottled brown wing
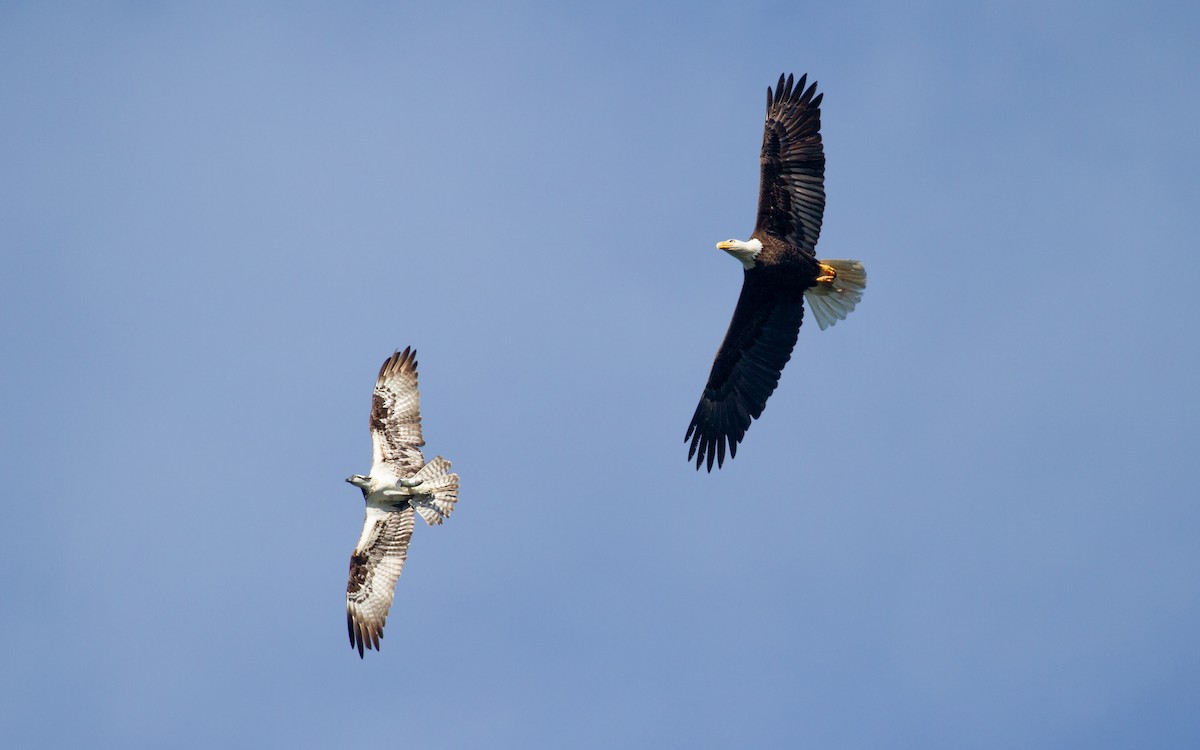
(765,325)
(791,191)
(374,569)
(396,418)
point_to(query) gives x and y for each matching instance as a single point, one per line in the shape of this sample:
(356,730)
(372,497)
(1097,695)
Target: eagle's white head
(746,251)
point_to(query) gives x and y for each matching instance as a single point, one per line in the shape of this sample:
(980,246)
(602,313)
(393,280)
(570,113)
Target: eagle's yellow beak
(724,245)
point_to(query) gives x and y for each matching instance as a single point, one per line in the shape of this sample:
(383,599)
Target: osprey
(781,271)
(400,483)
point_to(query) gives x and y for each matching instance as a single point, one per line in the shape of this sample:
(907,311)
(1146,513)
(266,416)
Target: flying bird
(400,483)
(781,271)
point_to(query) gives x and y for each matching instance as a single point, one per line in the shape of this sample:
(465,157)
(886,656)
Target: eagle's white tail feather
(439,491)
(831,301)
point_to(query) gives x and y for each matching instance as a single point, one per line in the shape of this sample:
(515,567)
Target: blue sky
(967,518)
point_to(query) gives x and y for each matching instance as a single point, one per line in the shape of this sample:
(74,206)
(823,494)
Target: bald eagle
(781,272)
(400,483)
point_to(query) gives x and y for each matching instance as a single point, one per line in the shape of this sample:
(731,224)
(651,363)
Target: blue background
(967,518)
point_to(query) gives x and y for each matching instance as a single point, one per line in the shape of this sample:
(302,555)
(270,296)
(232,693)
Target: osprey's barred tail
(439,491)
(831,301)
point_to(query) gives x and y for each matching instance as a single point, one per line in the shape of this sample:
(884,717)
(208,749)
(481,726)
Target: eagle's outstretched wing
(396,418)
(374,569)
(791,190)
(765,325)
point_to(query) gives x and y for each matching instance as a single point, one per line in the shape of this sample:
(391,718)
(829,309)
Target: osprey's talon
(410,483)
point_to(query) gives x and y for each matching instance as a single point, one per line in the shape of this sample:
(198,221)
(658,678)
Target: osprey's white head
(359,481)
(746,251)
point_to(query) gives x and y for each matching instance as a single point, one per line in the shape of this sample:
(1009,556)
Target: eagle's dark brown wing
(791,191)
(758,344)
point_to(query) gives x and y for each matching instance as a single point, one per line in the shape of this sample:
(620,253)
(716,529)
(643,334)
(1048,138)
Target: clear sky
(969,516)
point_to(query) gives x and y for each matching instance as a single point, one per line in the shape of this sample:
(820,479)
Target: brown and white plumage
(396,418)
(375,567)
(400,485)
(781,271)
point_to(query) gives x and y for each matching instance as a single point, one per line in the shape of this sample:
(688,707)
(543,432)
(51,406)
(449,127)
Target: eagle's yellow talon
(828,273)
